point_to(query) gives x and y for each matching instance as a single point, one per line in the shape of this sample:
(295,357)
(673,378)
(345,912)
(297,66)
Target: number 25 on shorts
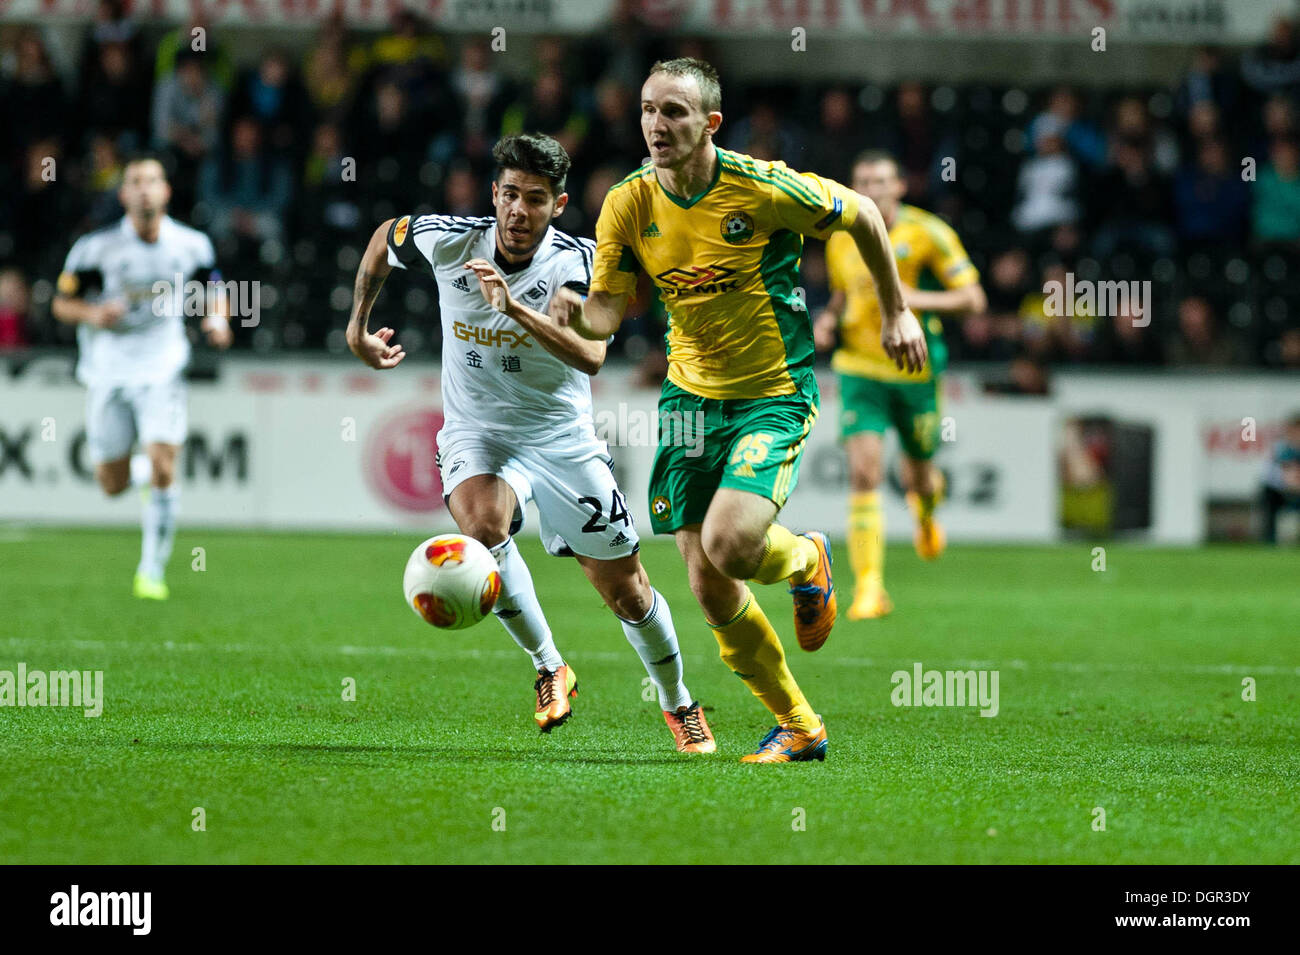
(752,448)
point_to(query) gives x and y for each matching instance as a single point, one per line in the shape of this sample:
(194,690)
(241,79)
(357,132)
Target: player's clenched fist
(492,284)
(374,349)
(565,307)
(904,341)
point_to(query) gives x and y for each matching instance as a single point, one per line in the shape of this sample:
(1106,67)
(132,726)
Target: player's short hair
(146,156)
(534,153)
(706,77)
(870,157)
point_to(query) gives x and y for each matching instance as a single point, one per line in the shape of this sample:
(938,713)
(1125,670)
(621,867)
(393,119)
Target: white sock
(655,642)
(518,610)
(141,470)
(158,531)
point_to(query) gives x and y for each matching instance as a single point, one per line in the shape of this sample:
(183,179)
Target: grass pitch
(1119,690)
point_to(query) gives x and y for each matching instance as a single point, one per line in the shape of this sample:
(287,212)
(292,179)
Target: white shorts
(580,507)
(119,415)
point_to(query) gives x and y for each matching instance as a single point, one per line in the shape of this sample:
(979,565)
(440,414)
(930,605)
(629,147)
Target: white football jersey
(148,343)
(495,376)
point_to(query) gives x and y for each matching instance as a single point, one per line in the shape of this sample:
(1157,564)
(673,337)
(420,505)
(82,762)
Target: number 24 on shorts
(617,513)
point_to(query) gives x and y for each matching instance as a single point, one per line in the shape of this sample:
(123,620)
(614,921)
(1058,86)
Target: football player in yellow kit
(721,234)
(875,394)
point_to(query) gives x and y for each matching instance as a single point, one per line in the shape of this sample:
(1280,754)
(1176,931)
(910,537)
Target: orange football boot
(690,729)
(786,744)
(814,601)
(554,688)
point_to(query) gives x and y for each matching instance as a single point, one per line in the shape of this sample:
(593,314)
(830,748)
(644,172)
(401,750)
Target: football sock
(926,503)
(655,642)
(786,556)
(751,649)
(518,610)
(141,470)
(158,531)
(866,538)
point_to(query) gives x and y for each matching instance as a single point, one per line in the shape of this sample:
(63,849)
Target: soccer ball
(451,581)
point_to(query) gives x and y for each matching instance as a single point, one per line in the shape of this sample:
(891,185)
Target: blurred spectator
(275,97)
(483,93)
(921,144)
(1026,375)
(548,109)
(1285,352)
(583,210)
(1121,342)
(103,179)
(15,300)
(328,201)
(1275,66)
(38,105)
(1048,181)
(839,136)
(1083,140)
(1199,340)
(1208,83)
(465,193)
(763,135)
(114,98)
(615,136)
(1281,491)
(187,111)
(246,189)
(1277,195)
(329,72)
(1212,201)
(1133,126)
(995,335)
(390,141)
(194,38)
(1132,205)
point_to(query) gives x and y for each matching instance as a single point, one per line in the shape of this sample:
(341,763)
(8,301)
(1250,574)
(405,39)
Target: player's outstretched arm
(597,317)
(77,311)
(955,302)
(564,343)
(900,332)
(372,347)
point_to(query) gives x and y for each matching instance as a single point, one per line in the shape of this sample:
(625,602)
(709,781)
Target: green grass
(1119,690)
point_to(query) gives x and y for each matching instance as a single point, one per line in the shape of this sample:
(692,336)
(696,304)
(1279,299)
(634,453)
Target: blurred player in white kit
(133,350)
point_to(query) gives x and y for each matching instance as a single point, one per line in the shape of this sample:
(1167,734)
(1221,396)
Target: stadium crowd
(1196,187)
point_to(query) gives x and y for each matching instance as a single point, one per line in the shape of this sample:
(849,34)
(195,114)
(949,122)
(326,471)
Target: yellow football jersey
(726,265)
(929,256)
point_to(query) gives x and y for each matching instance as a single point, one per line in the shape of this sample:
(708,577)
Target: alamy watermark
(78,688)
(1101,299)
(635,427)
(922,687)
(193,298)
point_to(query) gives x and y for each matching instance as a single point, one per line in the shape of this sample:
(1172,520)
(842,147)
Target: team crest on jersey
(399,230)
(537,292)
(661,507)
(737,227)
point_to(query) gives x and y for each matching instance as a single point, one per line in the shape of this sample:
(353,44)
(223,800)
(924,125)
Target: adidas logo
(651,232)
(619,539)
(744,471)
(461,284)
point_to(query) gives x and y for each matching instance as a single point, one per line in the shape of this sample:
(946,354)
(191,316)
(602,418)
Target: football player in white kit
(517,416)
(133,348)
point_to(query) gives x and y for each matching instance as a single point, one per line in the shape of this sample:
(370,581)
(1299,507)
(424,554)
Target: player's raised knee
(732,551)
(112,478)
(489,528)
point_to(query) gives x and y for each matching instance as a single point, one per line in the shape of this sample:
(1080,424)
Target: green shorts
(912,408)
(751,444)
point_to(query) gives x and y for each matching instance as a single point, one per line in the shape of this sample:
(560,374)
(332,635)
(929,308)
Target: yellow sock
(866,538)
(786,556)
(751,649)
(926,503)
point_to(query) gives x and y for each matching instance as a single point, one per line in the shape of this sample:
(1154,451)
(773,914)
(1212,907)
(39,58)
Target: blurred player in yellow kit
(721,234)
(938,279)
